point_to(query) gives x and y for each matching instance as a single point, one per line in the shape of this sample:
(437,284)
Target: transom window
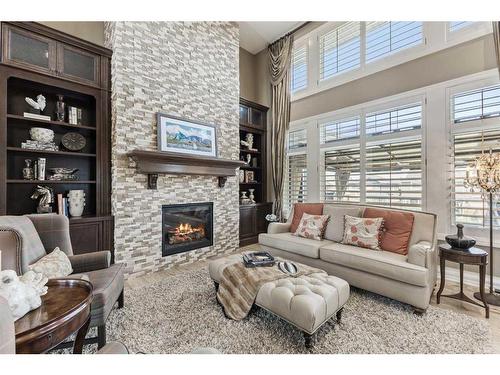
(297,139)
(459,25)
(336,130)
(299,68)
(476,104)
(394,120)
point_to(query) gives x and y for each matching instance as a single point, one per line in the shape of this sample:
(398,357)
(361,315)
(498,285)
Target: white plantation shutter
(394,174)
(476,104)
(295,180)
(384,38)
(340,175)
(468,207)
(340,50)
(297,139)
(458,25)
(299,68)
(339,129)
(398,119)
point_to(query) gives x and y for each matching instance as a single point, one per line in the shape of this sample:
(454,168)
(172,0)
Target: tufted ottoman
(305,301)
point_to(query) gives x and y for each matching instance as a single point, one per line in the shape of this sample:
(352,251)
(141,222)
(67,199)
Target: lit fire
(186,233)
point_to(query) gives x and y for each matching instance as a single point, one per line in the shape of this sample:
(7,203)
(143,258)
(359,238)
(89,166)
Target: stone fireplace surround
(188,70)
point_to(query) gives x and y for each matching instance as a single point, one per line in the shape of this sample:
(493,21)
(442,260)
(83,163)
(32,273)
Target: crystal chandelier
(484,174)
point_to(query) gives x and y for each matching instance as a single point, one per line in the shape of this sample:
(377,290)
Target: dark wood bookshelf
(87,88)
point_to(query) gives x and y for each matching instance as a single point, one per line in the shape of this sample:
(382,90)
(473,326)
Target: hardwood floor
(446,303)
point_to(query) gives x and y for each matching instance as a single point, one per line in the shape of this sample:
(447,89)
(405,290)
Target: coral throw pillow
(397,229)
(363,232)
(304,208)
(312,226)
(53,265)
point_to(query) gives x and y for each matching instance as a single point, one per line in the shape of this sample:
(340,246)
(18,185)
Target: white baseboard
(470,278)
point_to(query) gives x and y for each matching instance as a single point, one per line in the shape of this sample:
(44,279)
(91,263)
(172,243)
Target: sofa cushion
(397,229)
(312,226)
(293,244)
(300,208)
(335,227)
(363,232)
(383,263)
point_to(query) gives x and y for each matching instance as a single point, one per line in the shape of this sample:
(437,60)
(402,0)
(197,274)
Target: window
(469,207)
(340,180)
(295,180)
(340,50)
(297,139)
(337,130)
(458,25)
(476,104)
(394,120)
(299,68)
(394,174)
(384,38)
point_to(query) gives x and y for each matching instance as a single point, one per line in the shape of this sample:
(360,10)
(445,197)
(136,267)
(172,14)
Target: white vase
(76,199)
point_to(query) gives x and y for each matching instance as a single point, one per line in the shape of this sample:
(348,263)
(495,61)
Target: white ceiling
(255,36)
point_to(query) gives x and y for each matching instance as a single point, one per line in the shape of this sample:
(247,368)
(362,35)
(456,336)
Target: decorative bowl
(62,170)
(42,135)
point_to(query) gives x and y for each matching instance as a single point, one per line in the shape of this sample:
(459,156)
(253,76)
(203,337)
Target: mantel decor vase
(459,241)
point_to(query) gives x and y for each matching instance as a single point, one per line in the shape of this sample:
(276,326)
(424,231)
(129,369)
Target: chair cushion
(383,263)
(31,246)
(335,227)
(108,284)
(397,229)
(53,265)
(293,244)
(300,208)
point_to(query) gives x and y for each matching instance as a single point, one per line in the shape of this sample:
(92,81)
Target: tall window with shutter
(299,68)
(475,129)
(385,38)
(296,170)
(340,50)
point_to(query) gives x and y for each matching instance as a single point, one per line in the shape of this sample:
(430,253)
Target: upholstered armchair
(8,338)
(26,239)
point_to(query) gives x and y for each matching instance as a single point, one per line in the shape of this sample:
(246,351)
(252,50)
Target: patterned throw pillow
(363,232)
(312,226)
(53,265)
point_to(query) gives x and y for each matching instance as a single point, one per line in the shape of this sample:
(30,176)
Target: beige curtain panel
(496,37)
(280,55)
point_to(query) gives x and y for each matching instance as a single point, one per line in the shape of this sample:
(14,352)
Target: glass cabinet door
(257,117)
(28,50)
(78,65)
(244,111)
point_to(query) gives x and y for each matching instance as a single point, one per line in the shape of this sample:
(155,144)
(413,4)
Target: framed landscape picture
(186,136)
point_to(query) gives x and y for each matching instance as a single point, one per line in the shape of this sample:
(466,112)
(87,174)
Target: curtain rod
(292,32)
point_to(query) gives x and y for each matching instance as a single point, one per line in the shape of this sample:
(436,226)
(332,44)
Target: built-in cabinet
(252,216)
(40,60)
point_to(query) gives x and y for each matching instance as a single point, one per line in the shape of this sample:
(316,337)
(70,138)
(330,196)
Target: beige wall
(467,58)
(90,31)
(248,81)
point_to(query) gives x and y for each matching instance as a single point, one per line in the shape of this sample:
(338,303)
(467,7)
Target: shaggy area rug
(180,312)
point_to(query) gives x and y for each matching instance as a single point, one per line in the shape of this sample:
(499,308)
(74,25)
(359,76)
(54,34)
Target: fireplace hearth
(186,227)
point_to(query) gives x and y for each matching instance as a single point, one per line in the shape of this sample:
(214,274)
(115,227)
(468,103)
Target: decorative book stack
(37,145)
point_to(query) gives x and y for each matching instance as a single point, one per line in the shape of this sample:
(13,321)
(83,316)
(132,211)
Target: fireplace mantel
(153,163)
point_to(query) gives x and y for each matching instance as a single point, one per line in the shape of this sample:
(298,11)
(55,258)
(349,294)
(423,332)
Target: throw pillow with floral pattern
(363,232)
(312,226)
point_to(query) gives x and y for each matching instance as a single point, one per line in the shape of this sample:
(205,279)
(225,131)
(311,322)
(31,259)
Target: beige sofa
(407,278)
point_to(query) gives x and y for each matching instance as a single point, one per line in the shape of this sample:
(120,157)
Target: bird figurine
(40,103)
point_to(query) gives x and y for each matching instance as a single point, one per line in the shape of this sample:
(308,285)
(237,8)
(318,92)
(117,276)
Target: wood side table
(473,256)
(65,310)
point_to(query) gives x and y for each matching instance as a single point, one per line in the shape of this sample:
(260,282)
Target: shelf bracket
(152,181)
(222,181)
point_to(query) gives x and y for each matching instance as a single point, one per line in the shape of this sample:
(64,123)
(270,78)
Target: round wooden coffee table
(65,310)
(473,256)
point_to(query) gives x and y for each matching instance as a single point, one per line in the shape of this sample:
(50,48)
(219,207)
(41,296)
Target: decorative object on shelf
(242,176)
(73,141)
(248,159)
(42,135)
(483,174)
(28,170)
(255,163)
(22,293)
(41,166)
(76,199)
(459,241)
(74,115)
(185,136)
(60,109)
(244,199)
(251,196)
(248,142)
(272,218)
(249,176)
(36,107)
(46,196)
(34,145)
(63,174)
